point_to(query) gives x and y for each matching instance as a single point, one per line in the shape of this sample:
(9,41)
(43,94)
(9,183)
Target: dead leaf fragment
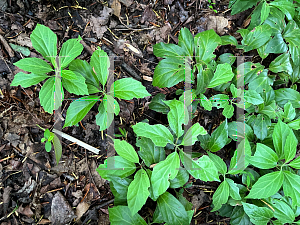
(148,15)
(116,6)
(127,3)
(23,40)
(81,209)
(61,211)
(25,211)
(217,23)
(99,181)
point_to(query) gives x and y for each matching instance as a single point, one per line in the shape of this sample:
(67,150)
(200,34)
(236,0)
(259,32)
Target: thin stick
(78,142)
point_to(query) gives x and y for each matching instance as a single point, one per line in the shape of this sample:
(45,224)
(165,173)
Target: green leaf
(228,111)
(292,37)
(229,40)
(295,76)
(203,78)
(48,146)
(234,191)
(221,195)
(172,210)
(47,133)
(286,7)
(276,45)
(46,95)
(125,150)
(265,11)
(205,44)
(163,172)
(295,124)
(181,178)
(157,104)
(128,88)
(84,69)
(169,72)
(168,50)
(138,191)
(76,83)
(243,32)
(266,185)
(203,168)
(291,187)
(119,188)
(191,135)
(187,205)
(103,118)
(116,166)
(249,70)
(283,95)
(289,112)
(79,108)
(100,63)
(57,148)
(176,116)
(219,137)
(260,126)
(69,51)
(121,215)
(256,16)
(257,38)
(34,65)
(281,64)
(187,97)
(219,100)
(205,102)
(186,41)
(44,41)
(27,80)
(275,20)
(238,130)
(283,212)
(264,157)
(280,135)
(290,146)
(219,163)
(25,51)
(239,217)
(258,215)
(226,58)
(157,217)
(253,97)
(261,51)
(150,153)
(261,83)
(295,163)
(241,157)
(242,5)
(222,75)
(158,133)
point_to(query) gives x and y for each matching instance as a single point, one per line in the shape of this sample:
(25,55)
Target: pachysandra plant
(270,134)
(45,42)
(156,172)
(78,77)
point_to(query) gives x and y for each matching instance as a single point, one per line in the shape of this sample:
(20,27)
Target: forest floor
(33,189)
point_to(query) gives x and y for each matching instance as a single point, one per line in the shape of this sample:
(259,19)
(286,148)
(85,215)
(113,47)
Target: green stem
(41,127)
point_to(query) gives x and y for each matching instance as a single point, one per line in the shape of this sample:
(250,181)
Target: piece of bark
(7,47)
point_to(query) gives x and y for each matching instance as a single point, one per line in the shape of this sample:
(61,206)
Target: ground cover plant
(264,189)
(261,183)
